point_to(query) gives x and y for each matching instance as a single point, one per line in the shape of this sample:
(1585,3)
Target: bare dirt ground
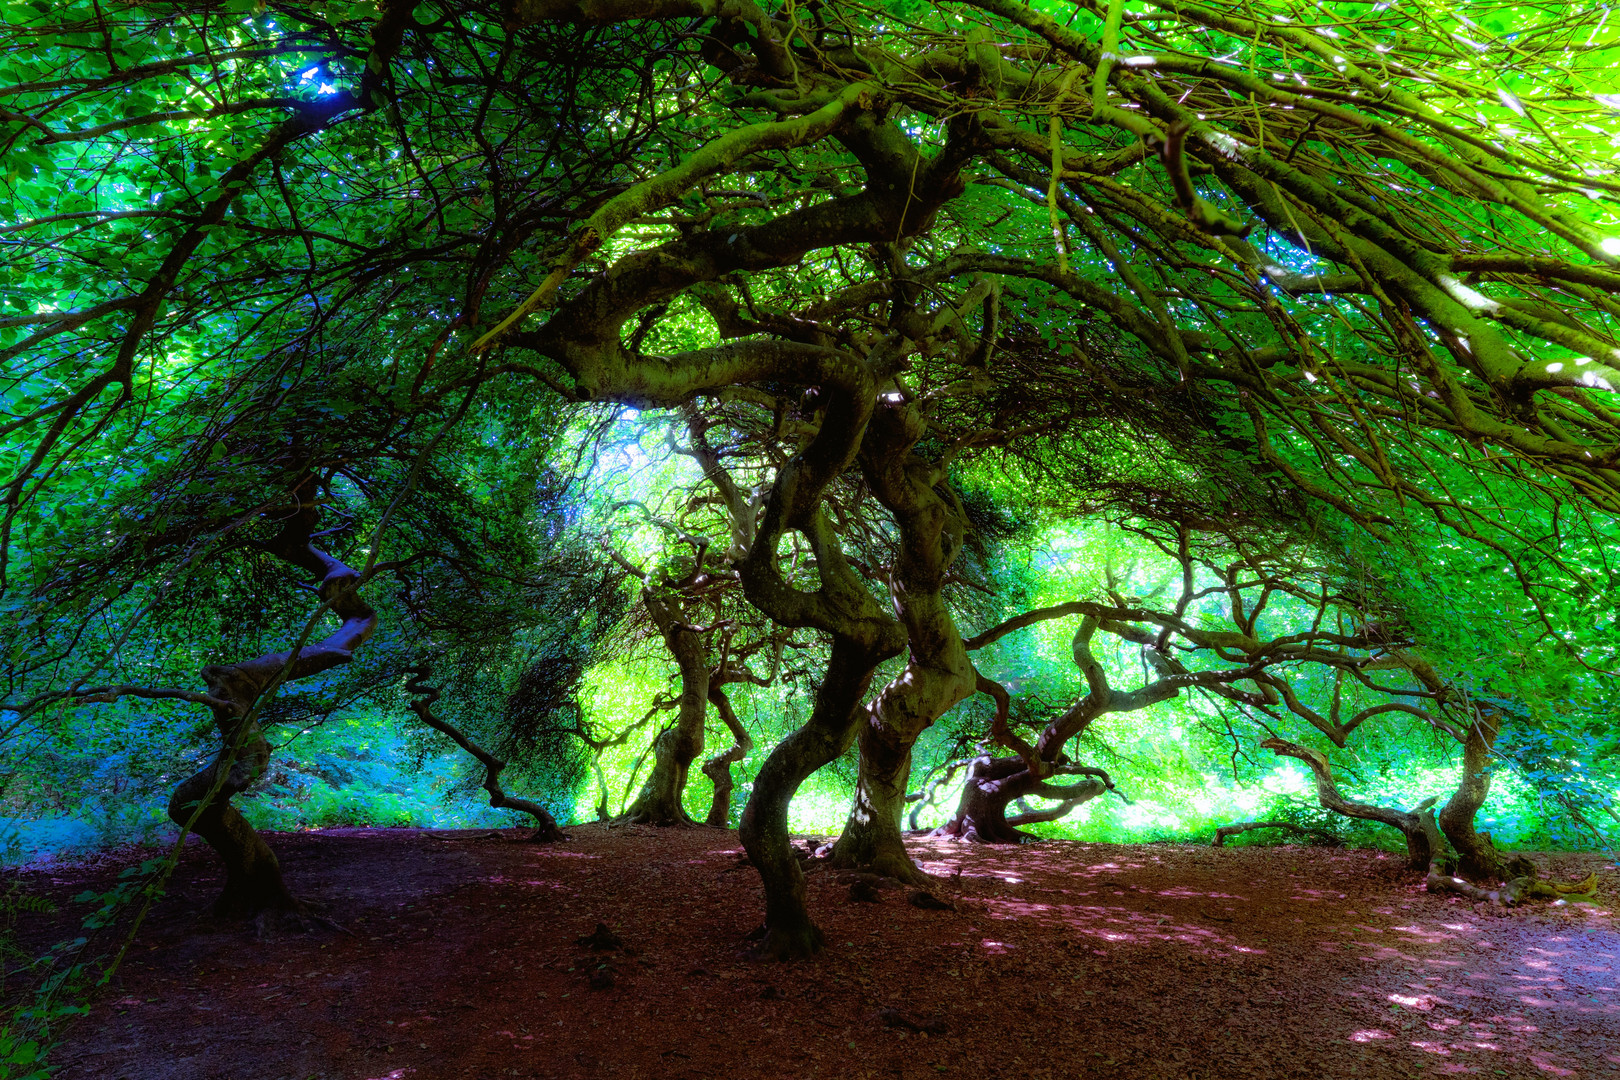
(1062,961)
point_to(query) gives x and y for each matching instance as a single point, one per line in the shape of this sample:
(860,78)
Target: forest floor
(459,958)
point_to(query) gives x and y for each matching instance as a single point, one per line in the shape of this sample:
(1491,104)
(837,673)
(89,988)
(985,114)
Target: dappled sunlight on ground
(1062,961)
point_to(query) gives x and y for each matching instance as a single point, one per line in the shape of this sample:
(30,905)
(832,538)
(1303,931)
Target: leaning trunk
(253,880)
(660,799)
(1414,825)
(546,829)
(938,673)
(1476,855)
(789,931)
(202,803)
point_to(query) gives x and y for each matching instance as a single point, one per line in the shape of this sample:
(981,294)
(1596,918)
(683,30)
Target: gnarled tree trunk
(660,800)
(938,673)
(981,812)
(718,768)
(202,802)
(1411,823)
(871,838)
(253,880)
(1477,857)
(993,783)
(789,931)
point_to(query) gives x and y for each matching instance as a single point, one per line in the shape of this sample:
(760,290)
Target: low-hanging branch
(546,829)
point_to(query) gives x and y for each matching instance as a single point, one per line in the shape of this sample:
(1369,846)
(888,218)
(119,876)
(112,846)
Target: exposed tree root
(657,820)
(921,898)
(301,915)
(894,1018)
(906,873)
(971,830)
(787,943)
(1505,896)
(876,853)
(1512,892)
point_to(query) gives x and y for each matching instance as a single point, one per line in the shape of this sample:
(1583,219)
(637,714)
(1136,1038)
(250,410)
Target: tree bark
(1411,823)
(872,838)
(718,768)
(253,881)
(992,785)
(789,931)
(1477,856)
(938,673)
(202,802)
(660,800)
(981,812)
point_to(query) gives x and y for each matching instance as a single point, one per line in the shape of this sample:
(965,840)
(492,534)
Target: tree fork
(1477,855)
(992,785)
(718,768)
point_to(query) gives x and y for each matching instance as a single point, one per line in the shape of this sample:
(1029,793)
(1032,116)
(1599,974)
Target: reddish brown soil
(1064,961)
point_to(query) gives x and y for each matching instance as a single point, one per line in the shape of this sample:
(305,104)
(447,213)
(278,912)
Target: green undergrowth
(361,771)
(1514,815)
(41,991)
(354,771)
(351,773)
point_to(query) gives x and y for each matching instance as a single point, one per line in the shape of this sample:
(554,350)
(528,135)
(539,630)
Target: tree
(887,245)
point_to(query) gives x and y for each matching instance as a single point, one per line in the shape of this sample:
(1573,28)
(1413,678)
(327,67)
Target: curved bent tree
(546,830)
(202,803)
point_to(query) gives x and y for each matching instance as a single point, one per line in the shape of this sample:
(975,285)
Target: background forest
(1107,420)
(98,778)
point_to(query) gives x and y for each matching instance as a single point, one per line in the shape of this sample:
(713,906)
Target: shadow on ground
(1063,961)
